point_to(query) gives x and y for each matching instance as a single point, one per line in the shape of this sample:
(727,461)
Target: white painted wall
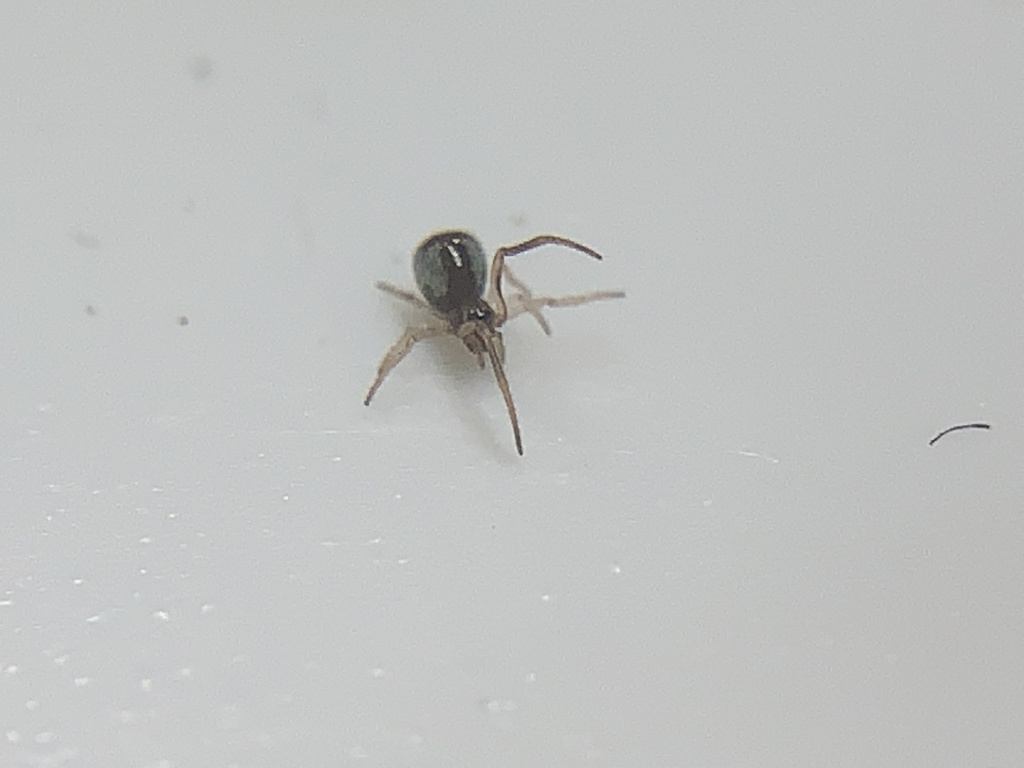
(728,543)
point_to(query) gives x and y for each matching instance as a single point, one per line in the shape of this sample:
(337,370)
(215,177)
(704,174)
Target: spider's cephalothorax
(452,275)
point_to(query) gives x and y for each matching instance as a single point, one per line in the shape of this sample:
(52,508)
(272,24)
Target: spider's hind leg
(525,302)
(406,296)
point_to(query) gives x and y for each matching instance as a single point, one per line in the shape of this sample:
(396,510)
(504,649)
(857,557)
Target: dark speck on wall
(200,68)
(182,320)
(85,240)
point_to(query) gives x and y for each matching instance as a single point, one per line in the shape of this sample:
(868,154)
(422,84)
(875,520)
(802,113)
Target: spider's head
(477,313)
(474,325)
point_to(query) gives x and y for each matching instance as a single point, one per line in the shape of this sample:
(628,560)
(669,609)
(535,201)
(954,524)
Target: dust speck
(85,240)
(200,68)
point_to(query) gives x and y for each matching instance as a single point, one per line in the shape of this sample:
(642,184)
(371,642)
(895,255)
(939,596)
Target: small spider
(451,273)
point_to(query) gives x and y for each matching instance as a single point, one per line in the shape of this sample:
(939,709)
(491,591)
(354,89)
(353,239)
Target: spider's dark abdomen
(451,270)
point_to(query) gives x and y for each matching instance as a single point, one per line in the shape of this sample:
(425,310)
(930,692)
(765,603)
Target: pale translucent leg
(416,301)
(400,349)
(407,296)
(525,302)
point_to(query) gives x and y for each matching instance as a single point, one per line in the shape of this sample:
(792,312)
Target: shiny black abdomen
(451,270)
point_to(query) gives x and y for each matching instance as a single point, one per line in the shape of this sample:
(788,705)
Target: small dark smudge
(90,310)
(182,320)
(200,68)
(86,240)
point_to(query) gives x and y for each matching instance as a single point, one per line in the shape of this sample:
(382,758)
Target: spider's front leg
(399,350)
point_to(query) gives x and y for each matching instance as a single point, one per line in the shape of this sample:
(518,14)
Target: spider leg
(499,374)
(525,303)
(539,240)
(498,267)
(399,350)
(407,296)
(574,300)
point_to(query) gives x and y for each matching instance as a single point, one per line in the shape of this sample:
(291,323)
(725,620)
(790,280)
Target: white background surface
(728,543)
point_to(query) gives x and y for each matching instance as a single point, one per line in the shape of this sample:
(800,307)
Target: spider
(451,274)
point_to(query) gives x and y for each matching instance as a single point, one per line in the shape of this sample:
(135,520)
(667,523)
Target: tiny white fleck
(146,684)
(81,682)
(754,455)
(455,255)
(161,615)
(495,706)
(13,736)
